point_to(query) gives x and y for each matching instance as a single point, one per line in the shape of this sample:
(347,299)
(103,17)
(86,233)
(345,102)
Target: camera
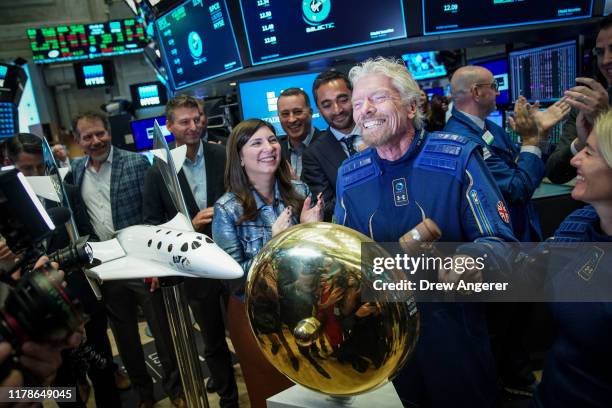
(38,307)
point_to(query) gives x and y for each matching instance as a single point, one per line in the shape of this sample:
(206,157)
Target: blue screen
(543,73)
(424,65)
(142,130)
(258,98)
(197,42)
(443,16)
(499,69)
(497,117)
(278,30)
(8,126)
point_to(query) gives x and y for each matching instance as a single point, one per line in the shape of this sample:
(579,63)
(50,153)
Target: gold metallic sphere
(309,311)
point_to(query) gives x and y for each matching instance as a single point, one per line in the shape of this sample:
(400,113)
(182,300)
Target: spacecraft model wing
(169,170)
(178,156)
(130,267)
(106,251)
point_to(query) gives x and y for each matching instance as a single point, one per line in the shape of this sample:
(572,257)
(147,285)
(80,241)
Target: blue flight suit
(517,174)
(578,369)
(441,177)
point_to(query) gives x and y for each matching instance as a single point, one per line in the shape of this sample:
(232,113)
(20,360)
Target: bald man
(517,169)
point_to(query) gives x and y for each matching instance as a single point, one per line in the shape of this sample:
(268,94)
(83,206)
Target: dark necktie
(348,142)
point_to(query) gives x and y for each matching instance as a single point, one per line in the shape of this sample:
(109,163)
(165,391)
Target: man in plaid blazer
(111,182)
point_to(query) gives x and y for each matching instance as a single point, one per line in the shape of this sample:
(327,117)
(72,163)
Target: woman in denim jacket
(262,199)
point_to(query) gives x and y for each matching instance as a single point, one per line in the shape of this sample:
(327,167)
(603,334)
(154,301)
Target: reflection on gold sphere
(305,302)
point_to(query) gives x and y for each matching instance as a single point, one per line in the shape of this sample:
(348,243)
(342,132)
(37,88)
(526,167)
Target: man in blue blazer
(111,182)
(517,169)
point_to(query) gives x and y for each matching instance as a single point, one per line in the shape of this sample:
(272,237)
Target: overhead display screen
(258,98)
(197,42)
(85,41)
(278,30)
(446,16)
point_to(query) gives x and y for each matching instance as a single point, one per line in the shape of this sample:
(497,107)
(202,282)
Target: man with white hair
(405,176)
(61,157)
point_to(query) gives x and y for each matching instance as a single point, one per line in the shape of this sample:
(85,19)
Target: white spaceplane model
(171,249)
(145,251)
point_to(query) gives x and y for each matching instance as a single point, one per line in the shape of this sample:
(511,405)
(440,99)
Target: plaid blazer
(127,183)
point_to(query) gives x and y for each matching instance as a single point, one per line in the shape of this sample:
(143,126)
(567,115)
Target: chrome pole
(181,330)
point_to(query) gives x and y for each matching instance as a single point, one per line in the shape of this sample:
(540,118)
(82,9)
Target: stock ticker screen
(85,41)
(543,73)
(278,30)
(197,42)
(445,16)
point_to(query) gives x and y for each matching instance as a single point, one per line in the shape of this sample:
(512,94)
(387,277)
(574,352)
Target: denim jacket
(243,241)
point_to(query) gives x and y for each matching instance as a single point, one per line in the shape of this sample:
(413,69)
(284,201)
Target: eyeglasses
(493,85)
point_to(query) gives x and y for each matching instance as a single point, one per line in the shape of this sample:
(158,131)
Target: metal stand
(173,290)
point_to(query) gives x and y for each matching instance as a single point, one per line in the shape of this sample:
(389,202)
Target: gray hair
(401,79)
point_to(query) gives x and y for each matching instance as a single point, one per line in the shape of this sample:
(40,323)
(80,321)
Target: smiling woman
(261,201)
(577,371)
(594,169)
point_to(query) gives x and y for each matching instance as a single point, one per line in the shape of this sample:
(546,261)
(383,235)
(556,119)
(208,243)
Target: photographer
(25,152)
(38,362)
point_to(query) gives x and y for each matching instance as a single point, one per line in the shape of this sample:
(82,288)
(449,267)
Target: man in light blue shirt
(201,181)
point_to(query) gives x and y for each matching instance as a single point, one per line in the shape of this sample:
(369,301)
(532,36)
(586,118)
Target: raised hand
(555,113)
(588,97)
(283,222)
(524,122)
(313,214)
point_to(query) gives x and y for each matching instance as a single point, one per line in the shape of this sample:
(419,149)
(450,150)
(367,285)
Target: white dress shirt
(95,191)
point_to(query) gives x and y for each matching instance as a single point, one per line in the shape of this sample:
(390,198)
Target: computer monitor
(8,120)
(442,16)
(197,42)
(438,90)
(497,117)
(543,73)
(499,68)
(148,94)
(258,98)
(425,65)
(279,30)
(142,130)
(86,41)
(93,74)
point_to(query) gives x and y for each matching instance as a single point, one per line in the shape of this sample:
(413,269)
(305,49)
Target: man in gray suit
(111,182)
